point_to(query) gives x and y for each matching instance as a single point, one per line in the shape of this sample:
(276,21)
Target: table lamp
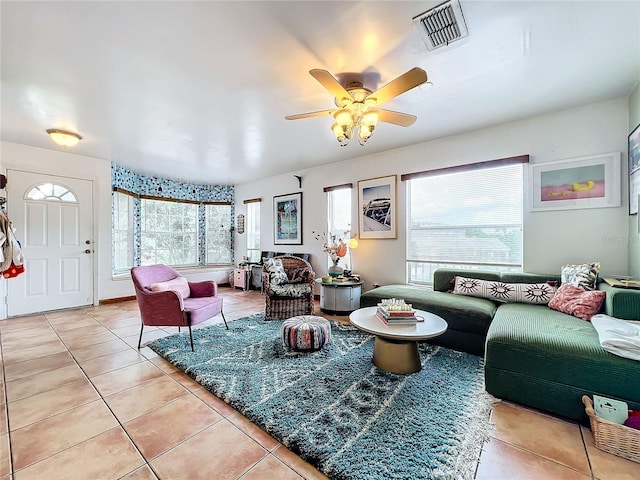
(352,244)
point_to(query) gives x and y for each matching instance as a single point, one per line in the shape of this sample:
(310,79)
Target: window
(51,192)
(471,219)
(339,220)
(218,234)
(122,252)
(168,232)
(253,231)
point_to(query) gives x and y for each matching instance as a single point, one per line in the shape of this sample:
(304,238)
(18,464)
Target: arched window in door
(51,192)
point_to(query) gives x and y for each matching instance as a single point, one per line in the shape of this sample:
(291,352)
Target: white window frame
(253,231)
(339,215)
(420,270)
(218,232)
(119,232)
(164,234)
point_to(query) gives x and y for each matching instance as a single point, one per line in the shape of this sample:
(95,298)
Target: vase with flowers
(336,247)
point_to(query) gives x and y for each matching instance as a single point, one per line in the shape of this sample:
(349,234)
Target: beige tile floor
(79,401)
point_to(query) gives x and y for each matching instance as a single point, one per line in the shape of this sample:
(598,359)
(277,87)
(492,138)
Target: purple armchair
(168,308)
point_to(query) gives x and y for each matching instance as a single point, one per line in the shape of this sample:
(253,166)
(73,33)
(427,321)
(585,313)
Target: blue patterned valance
(124,178)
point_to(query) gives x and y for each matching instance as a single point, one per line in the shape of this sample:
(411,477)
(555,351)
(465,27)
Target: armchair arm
(160,308)
(207,288)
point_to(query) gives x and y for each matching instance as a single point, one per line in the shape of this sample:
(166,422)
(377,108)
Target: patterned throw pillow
(298,275)
(585,275)
(178,284)
(577,301)
(277,275)
(536,293)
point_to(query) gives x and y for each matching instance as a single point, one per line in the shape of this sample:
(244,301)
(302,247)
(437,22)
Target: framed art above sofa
(585,182)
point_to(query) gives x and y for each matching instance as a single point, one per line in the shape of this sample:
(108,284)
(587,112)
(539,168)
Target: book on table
(405,319)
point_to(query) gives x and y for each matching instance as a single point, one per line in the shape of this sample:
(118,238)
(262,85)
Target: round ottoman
(306,332)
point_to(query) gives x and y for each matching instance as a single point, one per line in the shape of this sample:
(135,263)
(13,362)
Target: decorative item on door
(12,261)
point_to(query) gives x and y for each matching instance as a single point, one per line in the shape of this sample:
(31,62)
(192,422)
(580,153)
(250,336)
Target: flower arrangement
(332,244)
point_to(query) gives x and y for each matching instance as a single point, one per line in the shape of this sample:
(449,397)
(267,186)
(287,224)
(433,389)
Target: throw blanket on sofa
(620,337)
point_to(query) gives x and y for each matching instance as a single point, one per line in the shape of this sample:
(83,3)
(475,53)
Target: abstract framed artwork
(634,170)
(287,219)
(377,212)
(585,182)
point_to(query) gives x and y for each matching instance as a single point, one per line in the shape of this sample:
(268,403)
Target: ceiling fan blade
(397,118)
(310,114)
(329,82)
(405,82)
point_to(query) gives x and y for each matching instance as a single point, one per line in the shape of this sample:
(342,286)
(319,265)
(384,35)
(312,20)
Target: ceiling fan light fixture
(64,138)
(342,133)
(343,117)
(370,118)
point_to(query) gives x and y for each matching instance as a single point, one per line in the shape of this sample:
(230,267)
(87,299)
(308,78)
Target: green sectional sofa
(534,355)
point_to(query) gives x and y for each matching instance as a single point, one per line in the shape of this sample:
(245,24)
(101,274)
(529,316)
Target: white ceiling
(198,91)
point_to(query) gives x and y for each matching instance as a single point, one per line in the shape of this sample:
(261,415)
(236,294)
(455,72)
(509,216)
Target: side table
(241,278)
(339,298)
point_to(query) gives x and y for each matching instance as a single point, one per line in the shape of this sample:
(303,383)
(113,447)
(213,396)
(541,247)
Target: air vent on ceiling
(441,25)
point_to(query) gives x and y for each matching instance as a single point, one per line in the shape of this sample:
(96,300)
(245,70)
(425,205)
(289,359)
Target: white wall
(634,221)
(551,239)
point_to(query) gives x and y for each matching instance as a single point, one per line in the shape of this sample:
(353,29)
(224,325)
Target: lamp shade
(64,138)
(353,243)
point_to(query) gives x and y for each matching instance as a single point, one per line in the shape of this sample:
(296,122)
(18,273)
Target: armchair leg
(224,319)
(140,339)
(191,338)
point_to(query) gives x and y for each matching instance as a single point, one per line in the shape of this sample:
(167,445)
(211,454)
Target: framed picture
(377,217)
(585,182)
(287,219)
(634,170)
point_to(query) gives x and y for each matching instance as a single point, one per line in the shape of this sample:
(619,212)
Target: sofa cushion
(536,293)
(577,302)
(467,314)
(585,275)
(202,308)
(524,277)
(537,342)
(178,284)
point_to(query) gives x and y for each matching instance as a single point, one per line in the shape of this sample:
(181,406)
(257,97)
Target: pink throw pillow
(178,284)
(577,302)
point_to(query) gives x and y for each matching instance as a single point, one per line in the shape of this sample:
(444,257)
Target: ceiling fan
(357,105)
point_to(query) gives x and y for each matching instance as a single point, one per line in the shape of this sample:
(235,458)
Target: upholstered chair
(167,299)
(288,287)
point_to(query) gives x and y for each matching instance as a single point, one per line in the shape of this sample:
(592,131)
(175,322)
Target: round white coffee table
(396,347)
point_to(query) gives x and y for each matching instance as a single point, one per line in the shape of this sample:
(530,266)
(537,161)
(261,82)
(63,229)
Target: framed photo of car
(377,211)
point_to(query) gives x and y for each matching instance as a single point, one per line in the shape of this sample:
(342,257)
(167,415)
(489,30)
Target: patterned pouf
(306,332)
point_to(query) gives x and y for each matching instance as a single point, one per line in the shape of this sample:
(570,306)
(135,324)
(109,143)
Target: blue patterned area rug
(337,410)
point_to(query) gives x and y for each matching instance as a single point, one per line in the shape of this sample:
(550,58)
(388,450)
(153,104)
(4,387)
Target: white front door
(52,217)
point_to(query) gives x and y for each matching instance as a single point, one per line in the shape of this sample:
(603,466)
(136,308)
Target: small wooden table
(396,348)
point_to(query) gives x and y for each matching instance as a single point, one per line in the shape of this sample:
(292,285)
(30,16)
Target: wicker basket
(612,437)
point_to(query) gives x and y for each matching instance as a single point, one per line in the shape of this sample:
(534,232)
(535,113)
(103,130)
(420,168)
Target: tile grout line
(6,407)
(586,451)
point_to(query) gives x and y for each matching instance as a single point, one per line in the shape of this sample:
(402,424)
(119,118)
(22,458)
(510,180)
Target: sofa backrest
(522,277)
(442,277)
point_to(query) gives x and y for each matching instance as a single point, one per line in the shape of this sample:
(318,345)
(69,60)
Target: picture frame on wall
(634,169)
(287,219)
(584,182)
(377,208)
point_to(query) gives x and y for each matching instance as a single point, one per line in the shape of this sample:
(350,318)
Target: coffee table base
(396,356)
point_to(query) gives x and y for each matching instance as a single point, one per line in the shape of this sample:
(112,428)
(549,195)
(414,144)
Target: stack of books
(396,312)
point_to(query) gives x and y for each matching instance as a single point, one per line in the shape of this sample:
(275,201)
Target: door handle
(87,251)
(88,242)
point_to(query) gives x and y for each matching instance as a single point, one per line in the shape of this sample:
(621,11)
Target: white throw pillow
(535,293)
(178,284)
(583,276)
